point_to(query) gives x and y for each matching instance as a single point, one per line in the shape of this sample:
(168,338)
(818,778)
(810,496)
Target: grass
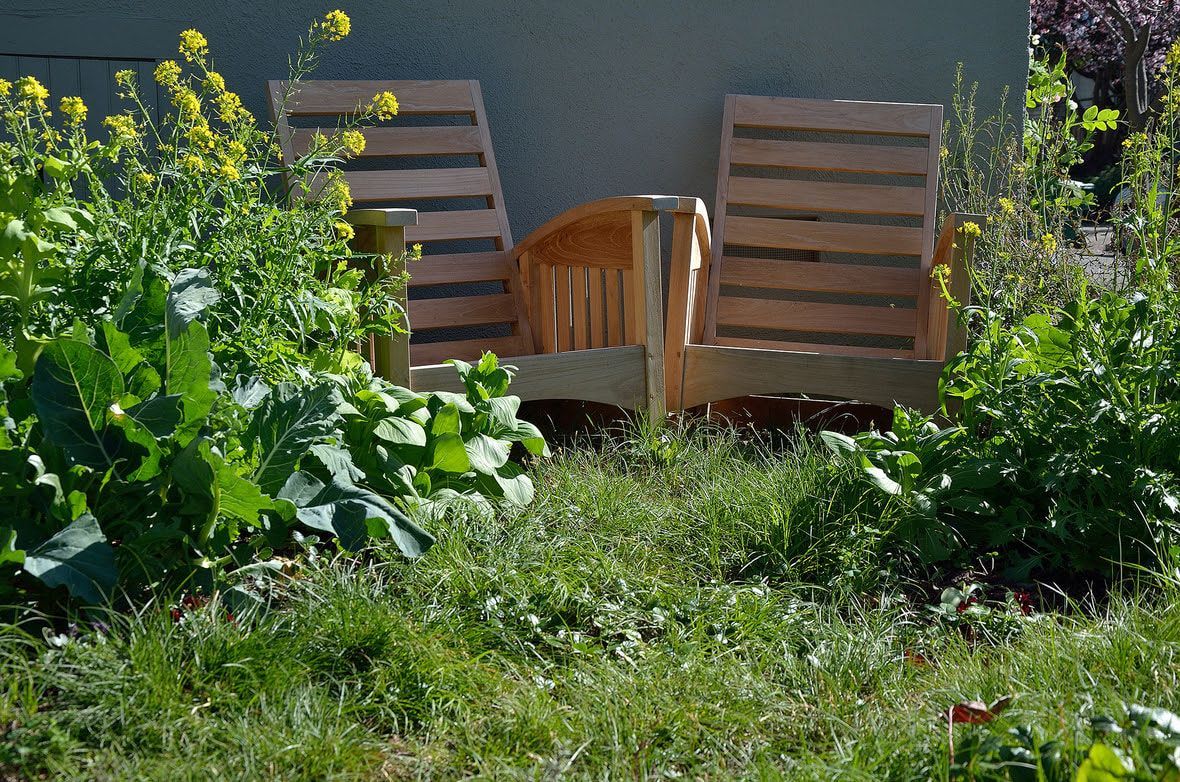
(696,607)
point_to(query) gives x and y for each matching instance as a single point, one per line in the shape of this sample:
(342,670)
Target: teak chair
(806,191)
(576,306)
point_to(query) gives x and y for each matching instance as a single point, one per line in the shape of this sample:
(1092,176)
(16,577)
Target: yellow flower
(145,178)
(187,102)
(233,152)
(229,171)
(1007,207)
(123,128)
(344,230)
(943,153)
(31,91)
(971,229)
(193,164)
(193,45)
(354,142)
(5,87)
(200,136)
(74,109)
(214,82)
(1172,59)
(336,25)
(229,107)
(167,73)
(1049,242)
(416,251)
(339,192)
(125,78)
(384,105)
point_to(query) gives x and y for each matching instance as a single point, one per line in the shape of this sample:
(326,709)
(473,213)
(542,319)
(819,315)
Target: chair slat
(597,319)
(819,277)
(844,197)
(820,156)
(462,311)
(465,349)
(813,317)
(814,347)
(614,307)
(578,312)
(561,276)
(459,224)
(323,98)
(822,237)
(426,183)
(399,142)
(459,268)
(840,116)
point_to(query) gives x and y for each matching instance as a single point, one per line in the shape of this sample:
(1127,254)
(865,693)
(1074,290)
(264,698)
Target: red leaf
(977,712)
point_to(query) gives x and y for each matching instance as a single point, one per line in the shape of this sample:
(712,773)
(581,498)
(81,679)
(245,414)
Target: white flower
(1036,40)
(1073,105)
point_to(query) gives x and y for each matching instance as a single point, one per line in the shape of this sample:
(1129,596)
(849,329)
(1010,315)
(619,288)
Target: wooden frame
(576,306)
(705,365)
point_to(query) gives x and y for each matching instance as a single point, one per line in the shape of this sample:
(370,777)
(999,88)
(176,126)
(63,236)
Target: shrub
(179,393)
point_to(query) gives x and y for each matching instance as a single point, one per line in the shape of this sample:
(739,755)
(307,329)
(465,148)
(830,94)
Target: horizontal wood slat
(814,347)
(819,277)
(458,268)
(462,311)
(465,350)
(819,156)
(811,316)
(460,224)
(822,237)
(890,119)
(844,197)
(612,376)
(396,142)
(369,186)
(323,98)
(713,373)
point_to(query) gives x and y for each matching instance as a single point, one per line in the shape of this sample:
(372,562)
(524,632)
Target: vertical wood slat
(544,296)
(562,294)
(681,302)
(648,311)
(921,339)
(628,308)
(720,201)
(597,324)
(391,355)
(579,316)
(614,308)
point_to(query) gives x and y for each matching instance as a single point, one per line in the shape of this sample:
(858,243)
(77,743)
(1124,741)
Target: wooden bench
(576,306)
(816,280)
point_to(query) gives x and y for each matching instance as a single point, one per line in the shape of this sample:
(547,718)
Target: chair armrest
(603,206)
(382,218)
(688,290)
(945,335)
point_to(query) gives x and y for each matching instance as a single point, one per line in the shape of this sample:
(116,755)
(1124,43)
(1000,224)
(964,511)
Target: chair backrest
(824,226)
(435,156)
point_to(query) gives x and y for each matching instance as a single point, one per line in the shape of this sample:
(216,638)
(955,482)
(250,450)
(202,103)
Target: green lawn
(699,608)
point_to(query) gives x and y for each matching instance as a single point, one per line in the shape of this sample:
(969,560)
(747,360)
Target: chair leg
(647,306)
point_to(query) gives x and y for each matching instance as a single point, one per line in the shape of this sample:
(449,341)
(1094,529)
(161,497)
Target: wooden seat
(816,279)
(576,306)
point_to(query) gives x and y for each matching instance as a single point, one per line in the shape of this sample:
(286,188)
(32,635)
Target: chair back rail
(436,156)
(824,225)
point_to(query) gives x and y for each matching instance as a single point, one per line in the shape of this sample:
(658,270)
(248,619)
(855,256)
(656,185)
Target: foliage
(1095,33)
(1064,459)
(180,395)
(707,617)
(201,188)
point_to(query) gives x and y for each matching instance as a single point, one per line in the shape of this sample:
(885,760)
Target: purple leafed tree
(1120,44)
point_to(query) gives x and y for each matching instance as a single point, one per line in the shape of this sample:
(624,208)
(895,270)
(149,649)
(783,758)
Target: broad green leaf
(189,374)
(352,513)
(74,386)
(446,419)
(882,481)
(1103,764)
(191,293)
(839,443)
(448,454)
(400,431)
(8,550)
(78,558)
(284,427)
(486,454)
(337,461)
(159,415)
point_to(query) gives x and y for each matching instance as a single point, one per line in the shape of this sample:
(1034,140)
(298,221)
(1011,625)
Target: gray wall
(585,99)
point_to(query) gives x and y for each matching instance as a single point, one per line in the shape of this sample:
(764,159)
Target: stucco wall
(604,98)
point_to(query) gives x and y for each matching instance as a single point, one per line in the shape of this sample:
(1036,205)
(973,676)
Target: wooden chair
(808,191)
(576,306)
